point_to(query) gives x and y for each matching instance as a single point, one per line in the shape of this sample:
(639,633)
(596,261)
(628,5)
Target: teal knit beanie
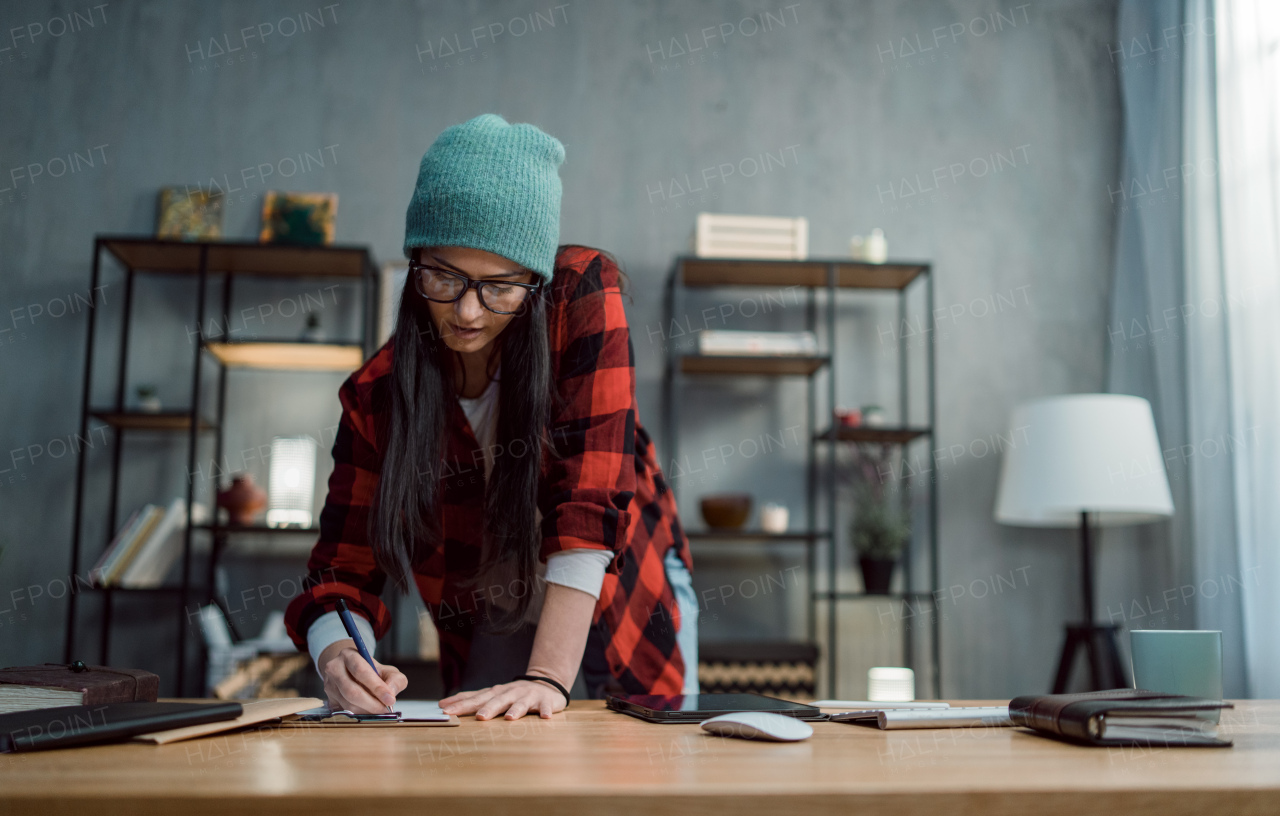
(490,185)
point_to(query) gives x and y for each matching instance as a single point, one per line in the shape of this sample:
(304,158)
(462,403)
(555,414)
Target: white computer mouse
(761,725)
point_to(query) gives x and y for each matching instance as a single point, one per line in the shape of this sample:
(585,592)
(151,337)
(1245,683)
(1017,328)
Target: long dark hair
(405,518)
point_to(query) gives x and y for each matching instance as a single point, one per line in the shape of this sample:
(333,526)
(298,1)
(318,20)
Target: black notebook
(1121,717)
(67,726)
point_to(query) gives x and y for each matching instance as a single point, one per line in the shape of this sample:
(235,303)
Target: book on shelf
(109,566)
(156,555)
(1119,717)
(725,341)
(53,685)
(128,529)
(144,549)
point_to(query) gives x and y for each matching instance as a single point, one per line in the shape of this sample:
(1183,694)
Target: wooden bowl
(726,511)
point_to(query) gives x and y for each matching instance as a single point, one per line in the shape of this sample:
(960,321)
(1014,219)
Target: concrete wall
(980,135)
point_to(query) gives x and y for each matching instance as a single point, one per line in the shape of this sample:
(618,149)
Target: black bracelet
(557,685)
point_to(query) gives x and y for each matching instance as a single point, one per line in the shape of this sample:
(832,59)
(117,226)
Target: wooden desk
(589,760)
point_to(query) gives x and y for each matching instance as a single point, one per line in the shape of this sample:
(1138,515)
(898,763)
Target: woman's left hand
(516,699)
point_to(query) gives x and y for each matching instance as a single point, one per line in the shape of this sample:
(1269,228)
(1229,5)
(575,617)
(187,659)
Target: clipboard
(421,713)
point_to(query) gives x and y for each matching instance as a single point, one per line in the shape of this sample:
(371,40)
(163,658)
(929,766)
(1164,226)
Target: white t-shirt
(578,568)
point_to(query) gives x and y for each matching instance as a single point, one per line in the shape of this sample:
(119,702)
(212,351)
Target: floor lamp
(1078,461)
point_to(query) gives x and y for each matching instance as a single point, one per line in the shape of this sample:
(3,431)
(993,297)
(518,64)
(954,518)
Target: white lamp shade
(292,481)
(1095,453)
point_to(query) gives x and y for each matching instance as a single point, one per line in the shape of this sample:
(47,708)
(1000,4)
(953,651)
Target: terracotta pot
(726,511)
(243,500)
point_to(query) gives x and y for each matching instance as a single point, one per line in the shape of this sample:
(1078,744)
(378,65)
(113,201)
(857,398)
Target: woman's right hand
(351,684)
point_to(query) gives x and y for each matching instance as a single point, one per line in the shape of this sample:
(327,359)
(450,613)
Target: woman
(490,454)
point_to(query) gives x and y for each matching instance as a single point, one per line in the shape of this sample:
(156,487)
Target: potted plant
(879,534)
(148,399)
(880,529)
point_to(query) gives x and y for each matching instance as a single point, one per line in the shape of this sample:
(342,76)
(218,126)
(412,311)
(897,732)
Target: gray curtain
(1168,321)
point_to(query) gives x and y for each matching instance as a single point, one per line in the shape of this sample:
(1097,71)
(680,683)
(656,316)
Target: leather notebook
(1121,717)
(68,726)
(58,684)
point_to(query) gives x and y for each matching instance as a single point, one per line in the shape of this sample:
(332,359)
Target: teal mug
(1178,661)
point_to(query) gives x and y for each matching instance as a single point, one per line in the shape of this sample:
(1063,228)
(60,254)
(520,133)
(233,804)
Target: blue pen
(350,626)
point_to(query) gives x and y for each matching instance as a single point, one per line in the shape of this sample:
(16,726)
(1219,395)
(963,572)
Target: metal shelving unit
(203,262)
(830,277)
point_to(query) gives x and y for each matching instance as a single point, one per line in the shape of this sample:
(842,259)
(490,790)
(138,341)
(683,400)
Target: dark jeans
(495,659)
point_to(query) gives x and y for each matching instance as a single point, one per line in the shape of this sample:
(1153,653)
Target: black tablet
(694,708)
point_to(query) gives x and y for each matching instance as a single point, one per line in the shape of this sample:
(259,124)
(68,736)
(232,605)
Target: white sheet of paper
(421,710)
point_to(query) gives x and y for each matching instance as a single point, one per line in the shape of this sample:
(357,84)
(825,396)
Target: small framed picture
(189,215)
(298,218)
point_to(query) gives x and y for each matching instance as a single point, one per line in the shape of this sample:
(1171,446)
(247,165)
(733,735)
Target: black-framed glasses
(443,286)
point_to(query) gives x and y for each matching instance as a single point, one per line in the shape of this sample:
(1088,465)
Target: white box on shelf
(725,341)
(751,236)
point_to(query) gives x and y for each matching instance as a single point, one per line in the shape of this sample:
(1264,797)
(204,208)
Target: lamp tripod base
(1101,645)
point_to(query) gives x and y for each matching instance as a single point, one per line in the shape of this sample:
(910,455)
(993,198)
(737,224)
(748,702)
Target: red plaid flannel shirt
(606,492)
